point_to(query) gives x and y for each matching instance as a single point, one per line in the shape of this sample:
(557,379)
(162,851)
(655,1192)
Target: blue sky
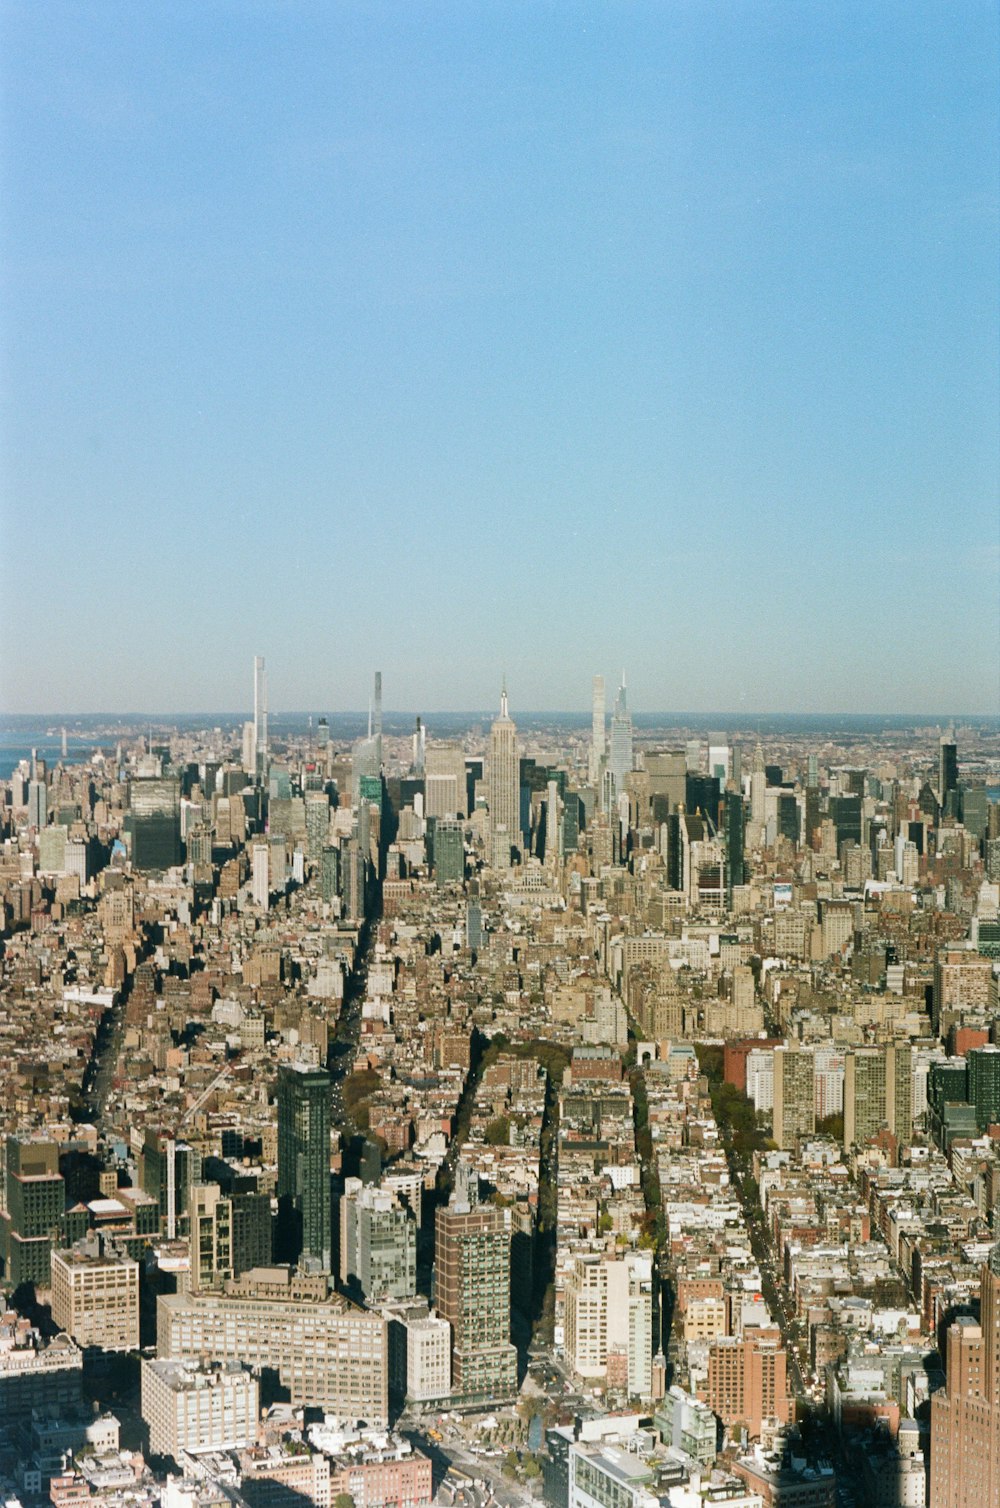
(461,338)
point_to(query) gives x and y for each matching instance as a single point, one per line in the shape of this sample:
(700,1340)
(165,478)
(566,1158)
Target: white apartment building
(609,1320)
(192,1406)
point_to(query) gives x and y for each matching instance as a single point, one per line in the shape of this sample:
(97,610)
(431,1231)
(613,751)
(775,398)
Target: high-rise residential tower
(304,1211)
(472,1292)
(503,786)
(260,713)
(609,1333)
(599,734)
(377,729)
(378,1243)
(899,1091)
(794,1096)
(864,1094)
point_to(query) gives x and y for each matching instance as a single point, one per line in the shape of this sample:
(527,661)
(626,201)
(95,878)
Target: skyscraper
(419,747)
(864,1094)
(260,714)
(620,751)
(249,751)
(503,786)
(317,814)
(472,1292)
(377,729)
(37,804)
(735,867)
(599,734)
(984,1084)
(758,791)
(260,872)
(553,823)
(609,1327)
(794,1096)
(329,872)
(444,779)
(304,1217)
(353,879)
(899,1091)
(719,760)
(34,1199)
(947,766)
(449,852)
(154,822)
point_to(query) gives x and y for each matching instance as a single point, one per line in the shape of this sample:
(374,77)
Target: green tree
(497,1133)
(710,1061)
(360,1086)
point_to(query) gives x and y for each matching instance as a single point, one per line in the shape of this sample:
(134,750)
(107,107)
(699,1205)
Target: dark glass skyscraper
(701,794)
(35,1200)
(984,1084)
(788,817)
(449,851)
(947,768)
(734,820)
(305,1232)
(846,814)
(154,820)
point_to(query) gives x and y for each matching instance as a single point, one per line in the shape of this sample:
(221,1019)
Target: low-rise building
(192,1406)
(326,1351)
(95,1295)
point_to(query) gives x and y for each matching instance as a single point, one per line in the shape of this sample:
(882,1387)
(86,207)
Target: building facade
(304,1206)
(95,1296)
(325,1350)
(472,1292)
(794,1096)
(503,787)
(188,1405)
(965,1414)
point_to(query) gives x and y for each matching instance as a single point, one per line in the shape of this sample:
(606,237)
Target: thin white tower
(260,712)
(599,733)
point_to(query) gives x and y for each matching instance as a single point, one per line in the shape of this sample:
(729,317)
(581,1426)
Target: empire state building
(503,787)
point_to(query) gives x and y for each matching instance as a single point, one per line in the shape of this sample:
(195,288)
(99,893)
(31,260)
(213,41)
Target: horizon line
(732,713)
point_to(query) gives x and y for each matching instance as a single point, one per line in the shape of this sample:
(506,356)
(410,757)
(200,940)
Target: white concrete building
(609,1320)
(193,1406)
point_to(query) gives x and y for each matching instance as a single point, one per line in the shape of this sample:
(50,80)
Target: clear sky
(462,338)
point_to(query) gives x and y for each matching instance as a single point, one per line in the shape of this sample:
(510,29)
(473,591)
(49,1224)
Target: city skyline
(616,1099)
(670,331)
